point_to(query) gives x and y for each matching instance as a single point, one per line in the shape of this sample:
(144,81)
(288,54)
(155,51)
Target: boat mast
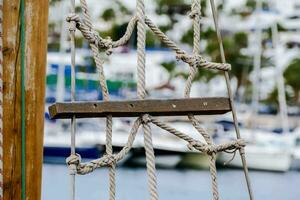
(280,81)
(257,62)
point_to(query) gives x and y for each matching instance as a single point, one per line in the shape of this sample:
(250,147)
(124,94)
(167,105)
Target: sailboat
(265,150)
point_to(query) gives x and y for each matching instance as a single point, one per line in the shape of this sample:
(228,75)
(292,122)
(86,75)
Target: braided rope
(195,61)
(150,158)
(108,160)
(72,167)
(141,92)
(105,94)
(237,130)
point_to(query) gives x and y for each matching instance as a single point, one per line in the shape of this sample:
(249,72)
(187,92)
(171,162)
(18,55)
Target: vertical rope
(150,159)
(105,94)
(23,159)
(72,167)
(196,16)
(141,45)
(141,92)
(1,102)
(237,130)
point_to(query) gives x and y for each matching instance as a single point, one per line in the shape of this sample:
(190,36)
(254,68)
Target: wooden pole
(36,18)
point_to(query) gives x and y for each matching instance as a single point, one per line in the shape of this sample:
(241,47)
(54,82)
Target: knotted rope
(72,166)
(195,61)
(237,130)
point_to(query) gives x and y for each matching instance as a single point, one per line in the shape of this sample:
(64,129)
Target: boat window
(298,142)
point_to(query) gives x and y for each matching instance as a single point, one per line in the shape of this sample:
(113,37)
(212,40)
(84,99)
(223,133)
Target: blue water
(172,184)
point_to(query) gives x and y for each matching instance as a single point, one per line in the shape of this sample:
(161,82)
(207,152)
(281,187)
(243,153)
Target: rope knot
(108,44)
(238,145)
(146,119)
(109,160)
(193,61)
(211,149)
(195,11)
(73,161)
(73,19)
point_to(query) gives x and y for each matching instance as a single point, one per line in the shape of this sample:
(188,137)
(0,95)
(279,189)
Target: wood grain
(36,13)
(134,108)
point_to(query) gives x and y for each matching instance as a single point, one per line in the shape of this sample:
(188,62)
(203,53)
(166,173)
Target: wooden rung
(134,108)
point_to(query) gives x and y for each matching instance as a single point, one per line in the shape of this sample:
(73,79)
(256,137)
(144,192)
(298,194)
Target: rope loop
(73,161)
(109,160)
(240,146)
(195,12)
(90,35)
(72,18)
(146,119)
(199,61)
(211,149)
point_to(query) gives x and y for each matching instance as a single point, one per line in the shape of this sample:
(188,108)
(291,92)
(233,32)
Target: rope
(195,61)
(1,102)
(141,92)
(105,94)
(72,167)
(237,130)
(23,131)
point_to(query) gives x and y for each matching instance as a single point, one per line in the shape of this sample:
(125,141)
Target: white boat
(90,139)
(264,151)
(296,152)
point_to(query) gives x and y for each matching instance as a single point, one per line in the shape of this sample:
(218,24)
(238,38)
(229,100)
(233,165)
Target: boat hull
(277,161)
(53,154)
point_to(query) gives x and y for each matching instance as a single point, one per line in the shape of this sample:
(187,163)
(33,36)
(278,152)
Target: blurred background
(261,40)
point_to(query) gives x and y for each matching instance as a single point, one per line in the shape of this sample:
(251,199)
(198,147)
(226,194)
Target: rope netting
(194,61)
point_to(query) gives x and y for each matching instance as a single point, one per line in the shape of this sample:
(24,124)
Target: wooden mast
(36,17)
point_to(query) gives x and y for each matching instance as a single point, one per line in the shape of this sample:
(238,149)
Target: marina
(149,99)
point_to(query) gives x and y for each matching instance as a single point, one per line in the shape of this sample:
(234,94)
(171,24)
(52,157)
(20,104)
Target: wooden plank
(134,108)
(36,14)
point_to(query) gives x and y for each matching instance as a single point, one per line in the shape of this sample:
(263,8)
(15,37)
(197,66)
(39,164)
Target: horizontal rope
(200,62)
(110,160)
(93,36)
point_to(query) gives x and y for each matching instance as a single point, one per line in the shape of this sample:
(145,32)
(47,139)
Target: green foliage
(151,40)
(232,45)
(251,4)
(169,66)
(273,98)
(202,75)
(53,46)
(53,2)
(187,37)
(108,14)
(172,7)
(123,9)
(292,77)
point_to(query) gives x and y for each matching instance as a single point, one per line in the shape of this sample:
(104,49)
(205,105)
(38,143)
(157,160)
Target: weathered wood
(36,13)
(134,108)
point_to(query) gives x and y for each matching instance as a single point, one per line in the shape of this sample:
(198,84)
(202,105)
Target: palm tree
(292,78)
